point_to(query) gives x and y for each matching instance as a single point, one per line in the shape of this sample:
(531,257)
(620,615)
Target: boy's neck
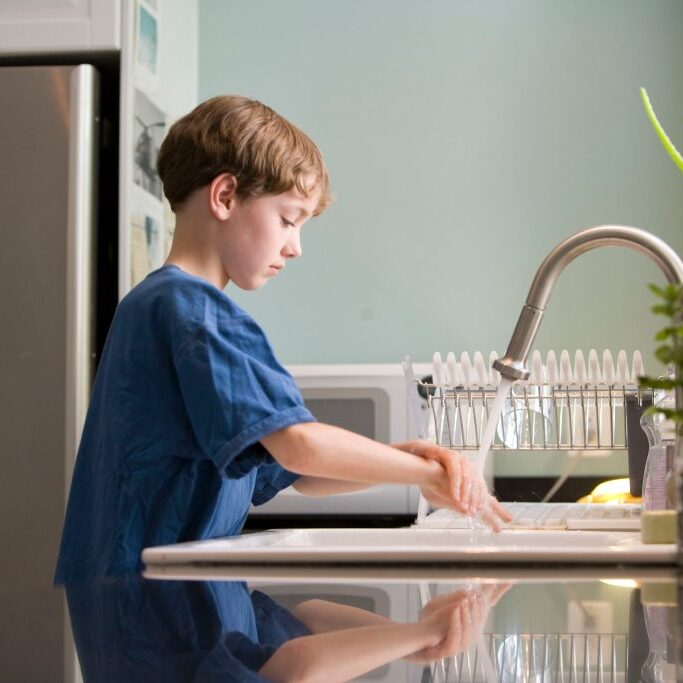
(194,254)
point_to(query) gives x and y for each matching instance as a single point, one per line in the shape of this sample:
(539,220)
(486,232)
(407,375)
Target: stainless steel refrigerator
(57,287)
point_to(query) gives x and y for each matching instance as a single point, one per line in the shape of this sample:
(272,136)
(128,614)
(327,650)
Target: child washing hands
(192,418)
(332,460)
(471,497)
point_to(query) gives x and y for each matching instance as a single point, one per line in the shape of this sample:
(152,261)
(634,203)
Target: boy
(192,418)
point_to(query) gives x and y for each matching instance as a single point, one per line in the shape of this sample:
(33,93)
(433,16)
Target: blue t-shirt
(129,629)
(187,386)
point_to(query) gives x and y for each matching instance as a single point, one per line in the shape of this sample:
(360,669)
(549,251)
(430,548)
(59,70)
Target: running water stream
(492,418)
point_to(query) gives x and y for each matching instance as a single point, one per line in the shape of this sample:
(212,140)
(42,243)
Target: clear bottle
(660,608)
(656,668)
(658,477)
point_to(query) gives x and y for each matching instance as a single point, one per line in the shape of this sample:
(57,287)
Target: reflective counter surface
(371,624)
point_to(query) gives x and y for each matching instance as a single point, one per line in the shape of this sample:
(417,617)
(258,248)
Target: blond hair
(231,134)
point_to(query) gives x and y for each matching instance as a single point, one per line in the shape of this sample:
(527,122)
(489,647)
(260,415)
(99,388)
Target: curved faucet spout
(513,364)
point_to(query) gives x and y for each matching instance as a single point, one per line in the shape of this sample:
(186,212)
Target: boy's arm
(313,449)
(445,477)
(321,616)
(322,486)
(346,654)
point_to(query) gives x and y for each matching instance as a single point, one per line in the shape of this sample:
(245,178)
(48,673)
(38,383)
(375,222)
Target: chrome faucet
(513,364)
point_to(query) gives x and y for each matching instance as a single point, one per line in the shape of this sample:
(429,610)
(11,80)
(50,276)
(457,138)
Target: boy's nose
(293,247)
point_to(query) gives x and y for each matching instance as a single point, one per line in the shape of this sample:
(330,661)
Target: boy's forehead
(295,199)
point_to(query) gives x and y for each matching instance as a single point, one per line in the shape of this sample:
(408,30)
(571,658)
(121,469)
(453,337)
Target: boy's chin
(251,285)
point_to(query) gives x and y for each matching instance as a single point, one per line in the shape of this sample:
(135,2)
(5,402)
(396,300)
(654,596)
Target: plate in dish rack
(417,546)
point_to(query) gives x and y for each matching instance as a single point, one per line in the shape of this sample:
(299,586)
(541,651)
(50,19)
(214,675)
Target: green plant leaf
(670,354)
(675,331)
(659,291)
(660,382)
(671,413)
(668,145)
(664,354)
(671,293)
(664,309)
(674,293)
(652,410)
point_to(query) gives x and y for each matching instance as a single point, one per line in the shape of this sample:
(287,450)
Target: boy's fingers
(466,493)
(451,463)
(448,601)
(480,494)
(460,479)
(490,518)
(457,477)
(449,504)
(467,488)
(438,501)
(476,614)
(472,492)
(498,509)
(476,488)
(466,482)
(498,592)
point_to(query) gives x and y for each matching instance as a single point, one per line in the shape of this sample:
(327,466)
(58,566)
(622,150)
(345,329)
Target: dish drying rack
(562,406)
(525,657)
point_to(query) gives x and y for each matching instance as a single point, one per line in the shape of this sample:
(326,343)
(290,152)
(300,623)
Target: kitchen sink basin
(418,546)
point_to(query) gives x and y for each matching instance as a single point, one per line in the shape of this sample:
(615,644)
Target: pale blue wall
(464,139)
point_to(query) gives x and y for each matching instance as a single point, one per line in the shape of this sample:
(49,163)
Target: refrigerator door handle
(81,236)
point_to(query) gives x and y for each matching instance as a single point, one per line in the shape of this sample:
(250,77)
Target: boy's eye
(286,223)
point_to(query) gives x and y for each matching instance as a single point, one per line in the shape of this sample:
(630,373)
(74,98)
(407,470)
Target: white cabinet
(53,26)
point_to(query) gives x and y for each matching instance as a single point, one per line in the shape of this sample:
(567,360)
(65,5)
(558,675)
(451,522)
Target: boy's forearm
(320,450)
(321,616)
(344,655)
(322,486)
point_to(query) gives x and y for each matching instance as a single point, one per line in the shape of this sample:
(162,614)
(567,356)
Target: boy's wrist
(433,472)
(433,632)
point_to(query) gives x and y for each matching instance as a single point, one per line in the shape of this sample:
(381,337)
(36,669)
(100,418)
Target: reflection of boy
(192,417)
(129,629)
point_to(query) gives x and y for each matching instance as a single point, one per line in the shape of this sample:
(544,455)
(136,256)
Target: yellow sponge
(662,593)
(658,526)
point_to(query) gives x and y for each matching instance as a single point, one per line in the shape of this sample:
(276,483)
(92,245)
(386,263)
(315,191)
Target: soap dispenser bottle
(659,485)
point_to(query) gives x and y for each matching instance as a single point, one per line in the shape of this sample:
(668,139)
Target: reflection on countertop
(379,624)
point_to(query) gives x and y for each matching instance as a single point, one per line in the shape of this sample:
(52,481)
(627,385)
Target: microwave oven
(371,400)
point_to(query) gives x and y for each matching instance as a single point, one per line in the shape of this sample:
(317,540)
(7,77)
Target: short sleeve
(235,393)
(275,624)
(271,477)
(235,660)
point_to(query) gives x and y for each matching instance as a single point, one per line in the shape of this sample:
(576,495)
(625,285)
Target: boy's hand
(457,621)
(461,614)
(462,489)
(491,592)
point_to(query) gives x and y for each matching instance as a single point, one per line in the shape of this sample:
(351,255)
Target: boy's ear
(222,193)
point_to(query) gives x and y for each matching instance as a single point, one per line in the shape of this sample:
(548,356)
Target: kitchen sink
(418,546)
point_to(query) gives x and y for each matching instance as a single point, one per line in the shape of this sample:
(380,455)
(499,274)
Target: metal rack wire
(534,417)
(542,658)
(559,414)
